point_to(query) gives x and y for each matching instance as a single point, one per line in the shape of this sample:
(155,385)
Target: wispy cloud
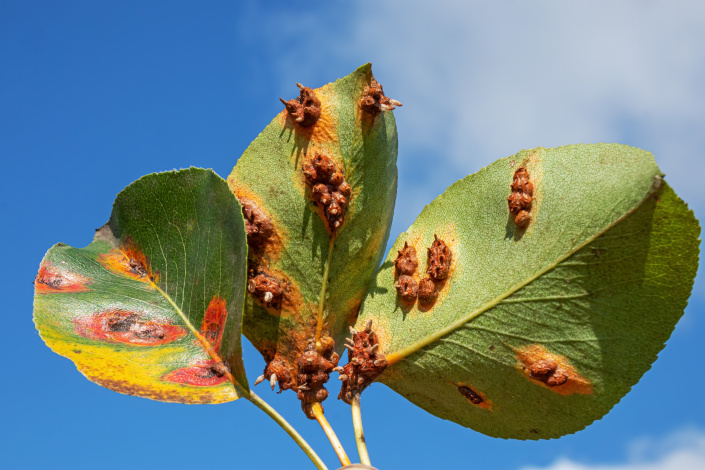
(684,450)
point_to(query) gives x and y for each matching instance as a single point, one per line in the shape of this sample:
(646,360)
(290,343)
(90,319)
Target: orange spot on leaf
(201,374)
(214,322)
(119,326)
(51,279)
(552,371)
(130,261)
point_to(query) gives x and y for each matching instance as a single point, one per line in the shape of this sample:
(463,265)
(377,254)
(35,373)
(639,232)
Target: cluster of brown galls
(261,283)
(548,372)
(438,266)
(328,188)
(326,182)
(365,363)
(521,198)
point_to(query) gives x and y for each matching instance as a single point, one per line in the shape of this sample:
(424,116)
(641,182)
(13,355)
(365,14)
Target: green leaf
(593,287)
(269,177)
(153,307)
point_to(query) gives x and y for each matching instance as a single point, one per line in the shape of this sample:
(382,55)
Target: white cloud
(684,450)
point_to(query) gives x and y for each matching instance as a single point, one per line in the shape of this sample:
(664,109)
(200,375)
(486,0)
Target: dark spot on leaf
(214,322)
(305,109)
(470,394)
(51,280)
(77,351)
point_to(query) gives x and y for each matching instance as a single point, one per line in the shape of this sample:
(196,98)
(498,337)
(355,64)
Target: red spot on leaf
(201,374)
(51,279)
(214,322)
(119,326)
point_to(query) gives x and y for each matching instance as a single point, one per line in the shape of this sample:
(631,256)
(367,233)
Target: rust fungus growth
(374,102)
(266,288)
(329,190)
(439,258)
(407,288)
(314,371)
(553,371)
(520,199)
(305,109)
(427,291)
(470,394)
(365,363)
(133,328)
(277,371)
(258,225)
(406,262)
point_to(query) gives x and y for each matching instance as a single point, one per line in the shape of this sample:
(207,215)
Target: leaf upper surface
(148,307)
(591,289)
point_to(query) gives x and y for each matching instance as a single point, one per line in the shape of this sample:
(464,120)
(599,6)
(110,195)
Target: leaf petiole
(317,410)
(284,424)
(359,433)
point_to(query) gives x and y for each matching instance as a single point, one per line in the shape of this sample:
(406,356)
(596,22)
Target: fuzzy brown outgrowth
(427,291)
(520,199)
(374,101)
(314,371)
(328,188)
(439,258)
(406,262)
(305,109)
(548,372)
(407,288)
(277,371)
(258,226)
(266,288)
(365,363)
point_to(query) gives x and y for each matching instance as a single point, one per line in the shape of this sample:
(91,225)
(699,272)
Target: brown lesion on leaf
(432,280)
(258,224)
(128,327)
(474,396)
(552,371)
(52,279)
(129,260)
(323,133)
(373,100)
(406,261)
(521,198)
(365,362)
(314,368)
(328,189)
(305,109)
(407,288)
(268,287)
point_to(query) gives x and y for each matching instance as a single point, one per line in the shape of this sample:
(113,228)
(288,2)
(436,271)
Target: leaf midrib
(402,353)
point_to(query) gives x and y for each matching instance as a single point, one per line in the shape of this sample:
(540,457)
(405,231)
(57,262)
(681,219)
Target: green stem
(264,406)
(359,433)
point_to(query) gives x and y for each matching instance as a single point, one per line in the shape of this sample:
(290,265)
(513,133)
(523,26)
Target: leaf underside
(270,175)
(594,285)
(169,263)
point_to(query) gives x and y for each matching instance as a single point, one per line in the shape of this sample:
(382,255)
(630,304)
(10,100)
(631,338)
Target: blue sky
(94,95)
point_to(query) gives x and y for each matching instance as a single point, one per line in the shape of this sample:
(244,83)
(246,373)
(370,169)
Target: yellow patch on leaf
(129,261)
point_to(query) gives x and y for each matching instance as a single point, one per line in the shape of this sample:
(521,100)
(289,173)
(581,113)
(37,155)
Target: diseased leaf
(170,263)
(537,332)
(288,181)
